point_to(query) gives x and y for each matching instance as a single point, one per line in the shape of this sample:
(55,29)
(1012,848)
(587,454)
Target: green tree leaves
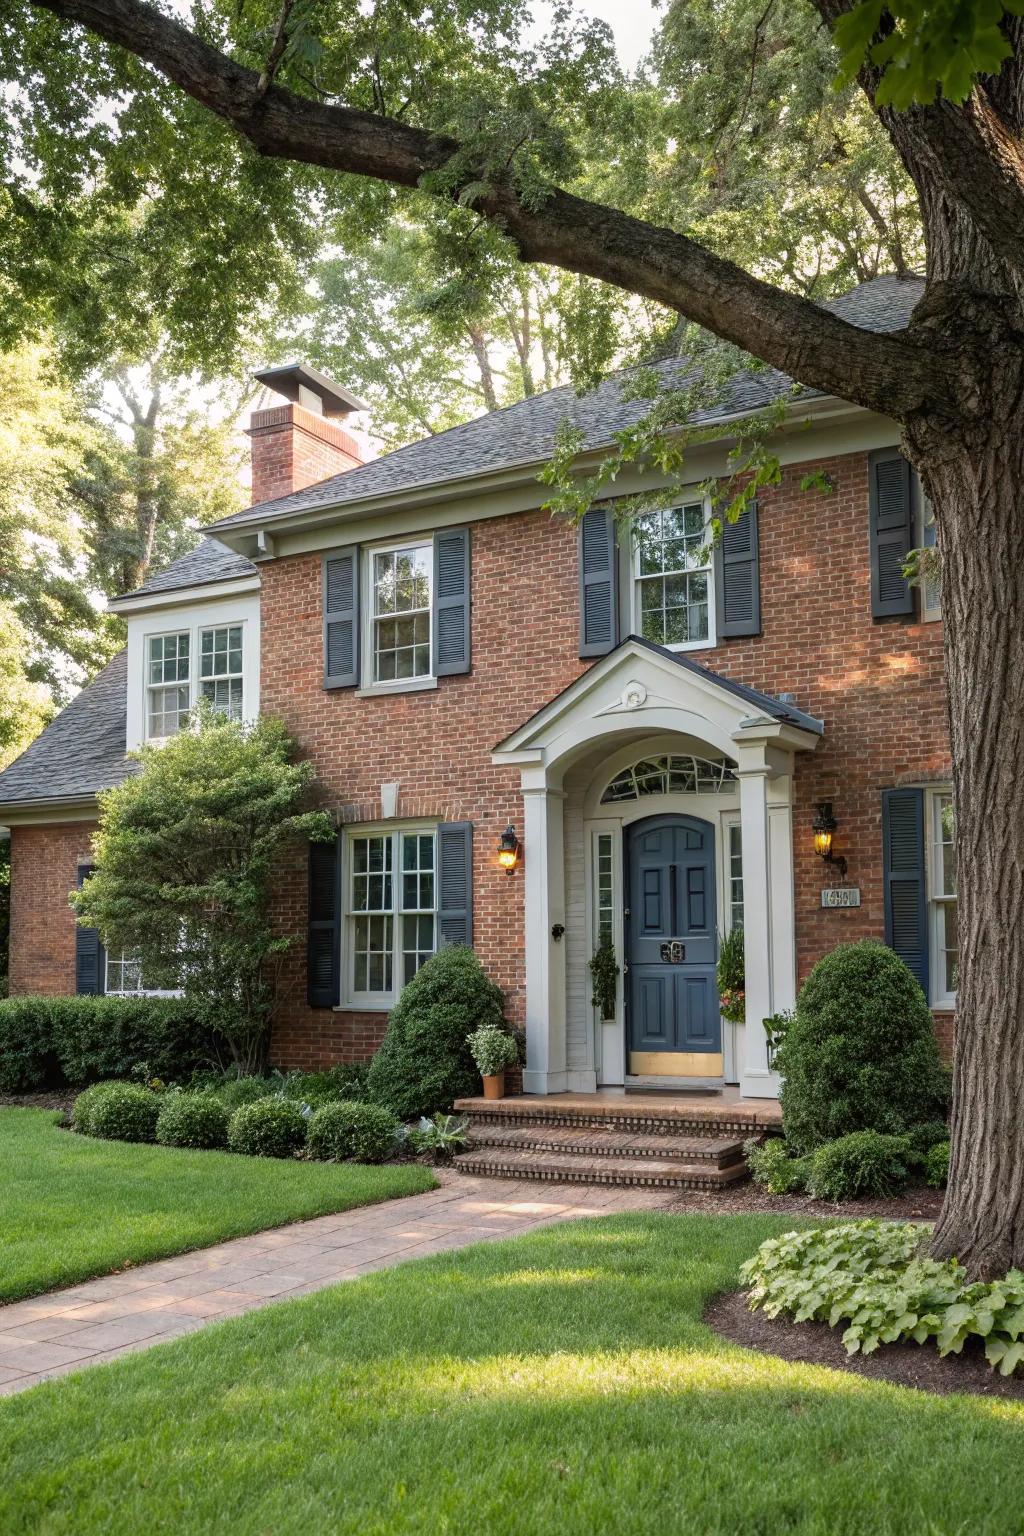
(925,48)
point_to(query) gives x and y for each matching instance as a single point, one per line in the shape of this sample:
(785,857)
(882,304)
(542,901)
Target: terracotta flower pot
(494,1087)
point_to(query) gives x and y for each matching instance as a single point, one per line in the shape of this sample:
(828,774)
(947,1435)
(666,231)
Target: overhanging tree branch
(889,373)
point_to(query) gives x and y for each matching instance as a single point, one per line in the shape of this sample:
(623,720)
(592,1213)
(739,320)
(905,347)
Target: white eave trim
(179,597)
(58,808)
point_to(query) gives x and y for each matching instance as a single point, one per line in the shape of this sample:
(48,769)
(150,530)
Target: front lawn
(558,1383)
(72,1207)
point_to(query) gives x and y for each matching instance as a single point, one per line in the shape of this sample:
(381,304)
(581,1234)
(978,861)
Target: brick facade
(878,686)
(44,868)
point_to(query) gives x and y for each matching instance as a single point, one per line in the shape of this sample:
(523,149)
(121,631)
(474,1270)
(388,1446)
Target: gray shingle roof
(210,561)
(81,751)
(524,433)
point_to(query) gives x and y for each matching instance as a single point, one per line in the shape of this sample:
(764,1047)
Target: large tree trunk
(977,488)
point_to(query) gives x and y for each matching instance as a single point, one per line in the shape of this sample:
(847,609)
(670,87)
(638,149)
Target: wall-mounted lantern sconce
(824,828)
(509,849)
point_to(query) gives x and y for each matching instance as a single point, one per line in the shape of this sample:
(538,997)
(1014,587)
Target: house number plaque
(841,896)
(674,952)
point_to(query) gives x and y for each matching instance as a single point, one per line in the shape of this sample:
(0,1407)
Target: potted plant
(732,996)
(493,1050)
(604,971)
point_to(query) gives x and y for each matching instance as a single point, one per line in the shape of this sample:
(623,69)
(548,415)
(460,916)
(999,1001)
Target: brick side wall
(44,868)
(878,687)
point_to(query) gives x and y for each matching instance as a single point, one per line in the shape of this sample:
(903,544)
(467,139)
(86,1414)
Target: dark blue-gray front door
(674,1026)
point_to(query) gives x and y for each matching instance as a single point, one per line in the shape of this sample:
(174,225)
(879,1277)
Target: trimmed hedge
(81,1110)
(192,1120)
(860,1053)
(237,1091)
(268,1128)
(124,1112)
(936,1165)
(424,1062)
(863,1165)
(53,1041)
(363,1132)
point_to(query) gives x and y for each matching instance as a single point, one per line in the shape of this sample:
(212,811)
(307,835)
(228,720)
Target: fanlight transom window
(675,775)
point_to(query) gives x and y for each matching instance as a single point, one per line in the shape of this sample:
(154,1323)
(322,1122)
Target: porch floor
(613,1103)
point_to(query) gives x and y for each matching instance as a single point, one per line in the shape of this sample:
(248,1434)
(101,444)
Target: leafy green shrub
(50,1041)
(875,1276)
(862,1165)
(267,1128)
(923,1137)
(81,1110)
(424,1062)
(440,1137)
(345,1081)
(861,1052)
(124,1112)
(774,1168)
(233,1092)
(493,1050)
(192,1120)
(363,1132)
(936,1165)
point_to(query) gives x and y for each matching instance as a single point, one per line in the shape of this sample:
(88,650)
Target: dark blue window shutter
(599,619)
(341,618)
(891,504)
(90,960)
(738,576)
(323,947)
(906,895)
(454,883)
(451,602)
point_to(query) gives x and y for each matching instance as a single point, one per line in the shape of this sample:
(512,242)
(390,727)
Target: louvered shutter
(451,602)
(906,895)
(90,959)
(323,949)
(341,618)
(891,500)
(598,585)
(738,577)
(455,883)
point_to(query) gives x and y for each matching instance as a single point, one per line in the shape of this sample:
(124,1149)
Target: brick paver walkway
(101,1319)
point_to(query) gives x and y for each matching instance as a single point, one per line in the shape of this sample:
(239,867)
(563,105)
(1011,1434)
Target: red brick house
(658,728)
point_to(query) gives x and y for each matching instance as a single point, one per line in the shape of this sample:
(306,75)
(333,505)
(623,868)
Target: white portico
(655,792)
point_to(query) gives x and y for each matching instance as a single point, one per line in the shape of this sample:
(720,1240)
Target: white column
(756,1081)
(544,895)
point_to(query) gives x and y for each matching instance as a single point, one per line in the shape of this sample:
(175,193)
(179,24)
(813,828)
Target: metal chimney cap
(289,378)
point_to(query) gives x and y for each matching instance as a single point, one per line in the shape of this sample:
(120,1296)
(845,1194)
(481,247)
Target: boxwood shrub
(124,1112)
(363,1132)
(81,1110)
(860,1053)
(52,1041)
(192,1120)
(236,1091)
(267,1128)
(424,1062)
(936,1165)
(862,1165)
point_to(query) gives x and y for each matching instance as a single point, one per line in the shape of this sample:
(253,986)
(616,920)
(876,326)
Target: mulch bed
(906,1365)
(57,1098)
(916,1205)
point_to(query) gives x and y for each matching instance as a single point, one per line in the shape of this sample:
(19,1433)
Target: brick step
(592,1141)
(674,1118)
(563,1168)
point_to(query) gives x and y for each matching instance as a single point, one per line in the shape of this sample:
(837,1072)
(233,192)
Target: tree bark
(975,485)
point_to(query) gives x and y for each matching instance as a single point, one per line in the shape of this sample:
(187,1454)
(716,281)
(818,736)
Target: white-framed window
(931,598)
(168,673)
(124,977)
(391,910)
(174,682)
(220,669)
(734,873)
(401,581)
(604,889)
(941,873)
(673,577)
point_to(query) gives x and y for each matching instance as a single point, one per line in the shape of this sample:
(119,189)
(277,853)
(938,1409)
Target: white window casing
(940,862)
(673,584)
(390,920)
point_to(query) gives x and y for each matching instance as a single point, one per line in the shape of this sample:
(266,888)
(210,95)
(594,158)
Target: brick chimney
(295,445)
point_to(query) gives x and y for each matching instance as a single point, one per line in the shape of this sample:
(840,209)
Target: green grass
(560,1384)
(72,1207)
